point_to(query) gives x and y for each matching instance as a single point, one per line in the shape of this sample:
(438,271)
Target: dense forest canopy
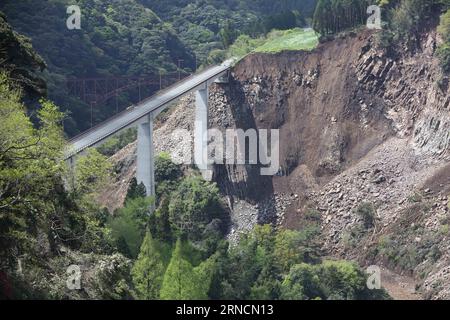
(201,23)
(117,38)
(130,37)
(332,16)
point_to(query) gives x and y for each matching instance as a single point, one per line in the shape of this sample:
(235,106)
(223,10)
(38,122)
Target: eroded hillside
(364,143)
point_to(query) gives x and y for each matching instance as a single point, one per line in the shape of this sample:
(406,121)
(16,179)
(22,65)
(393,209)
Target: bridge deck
(132,116)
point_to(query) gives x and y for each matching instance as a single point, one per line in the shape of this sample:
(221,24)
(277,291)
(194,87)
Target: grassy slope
(295,39)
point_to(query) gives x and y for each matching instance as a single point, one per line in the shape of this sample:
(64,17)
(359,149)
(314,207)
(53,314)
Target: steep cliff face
(313,99)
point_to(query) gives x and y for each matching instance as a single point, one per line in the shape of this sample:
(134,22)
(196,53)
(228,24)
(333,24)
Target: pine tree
(148,270)
(184,282)
(332,16)
(178,282)
(322,17)
(228,35)
(136,190)
(123,248)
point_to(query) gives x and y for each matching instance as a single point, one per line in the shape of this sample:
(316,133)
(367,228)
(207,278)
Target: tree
(184,282)
(228,35)
(148,270)
(240,274)
(21,61)
(342,280)
(302,283)
(92,171)
(444,26)
(193,206)
(282,21)
(31,167)
(321,17)
(159,223)
(444,56)
(120,38)
(332,280)
(129,225)
(332,16)
(165,169)
(135,190)
(444,49)
(408,19)
(293,247)
(366,211)
(123,248)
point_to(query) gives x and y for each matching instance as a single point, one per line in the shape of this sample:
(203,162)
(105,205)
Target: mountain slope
(206,25)
(117,38)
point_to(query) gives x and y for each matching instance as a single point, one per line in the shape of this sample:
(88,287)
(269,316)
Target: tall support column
(201,132)
(145,172)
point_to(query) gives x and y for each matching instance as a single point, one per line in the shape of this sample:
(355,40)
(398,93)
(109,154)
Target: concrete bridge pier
(201,132)
(145,171)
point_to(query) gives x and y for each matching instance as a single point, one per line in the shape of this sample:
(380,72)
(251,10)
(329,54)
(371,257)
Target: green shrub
(352,237)
(165,169)
(216,56)
(366,211)
(330,280)
(148,270)
(416,197)
(183,281)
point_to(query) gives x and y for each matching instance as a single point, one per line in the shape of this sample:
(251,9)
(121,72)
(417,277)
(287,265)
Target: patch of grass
(273,42)
(406,253)
(294,39)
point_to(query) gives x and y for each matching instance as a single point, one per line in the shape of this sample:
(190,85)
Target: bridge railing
(120,114)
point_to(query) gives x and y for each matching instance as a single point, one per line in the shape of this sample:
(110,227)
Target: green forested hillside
(39,219)
(131,37)
(205,25)
(116,38)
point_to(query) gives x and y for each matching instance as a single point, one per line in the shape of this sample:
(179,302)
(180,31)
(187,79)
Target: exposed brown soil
(440,182)
(399,287)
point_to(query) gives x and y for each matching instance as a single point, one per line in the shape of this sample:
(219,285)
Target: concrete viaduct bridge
(143,115)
